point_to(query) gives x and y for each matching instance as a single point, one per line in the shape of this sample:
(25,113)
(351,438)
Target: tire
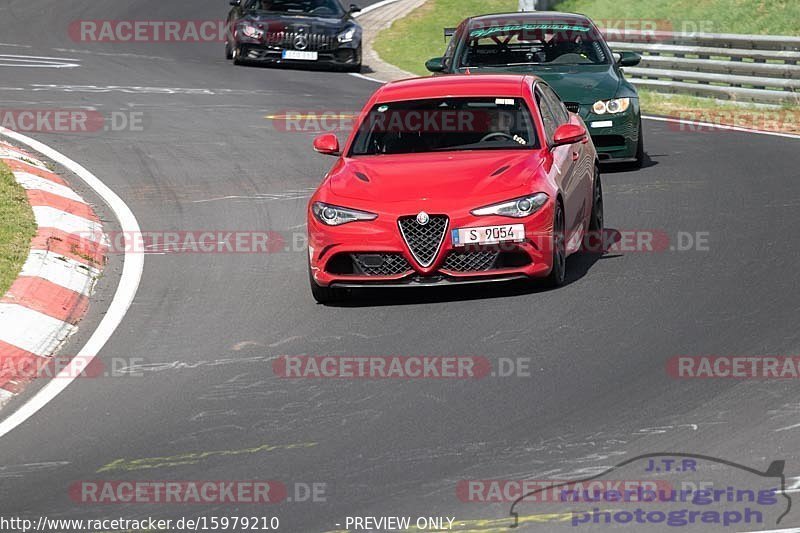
(593,243)
(237,56)
(639,162)
(324,295)
(357,67)
(558,273)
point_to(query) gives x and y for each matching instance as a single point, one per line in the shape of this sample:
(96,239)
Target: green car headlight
(611,107)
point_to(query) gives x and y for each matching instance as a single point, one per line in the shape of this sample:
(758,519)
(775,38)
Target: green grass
(784,119)
(17,228)
(418,37)
(776,17)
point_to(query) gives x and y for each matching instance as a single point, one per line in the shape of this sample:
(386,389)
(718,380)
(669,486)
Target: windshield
(317,8)
(533,44)
(446,124)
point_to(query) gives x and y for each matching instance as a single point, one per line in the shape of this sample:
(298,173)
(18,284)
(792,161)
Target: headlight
(618,105)
(347,35)
(332,215)
(251,31)
(517,208)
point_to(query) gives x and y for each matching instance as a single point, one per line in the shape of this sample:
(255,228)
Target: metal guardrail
(752,68)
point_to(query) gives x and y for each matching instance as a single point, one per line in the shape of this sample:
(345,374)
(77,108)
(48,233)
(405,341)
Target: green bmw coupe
(571,55)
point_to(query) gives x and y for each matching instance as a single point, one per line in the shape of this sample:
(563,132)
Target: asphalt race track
(207,325)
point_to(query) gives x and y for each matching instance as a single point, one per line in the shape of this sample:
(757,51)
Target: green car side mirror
(629,59)
(435,65)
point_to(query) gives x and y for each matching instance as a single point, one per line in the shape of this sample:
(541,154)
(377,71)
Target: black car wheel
(356,67)
(237,56)
(559,271)
(596,221)
(594,240)
(639,149)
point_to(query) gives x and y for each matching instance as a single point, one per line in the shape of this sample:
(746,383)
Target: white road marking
(362,77)
(126,291)
(50,217)
(9,60)
(32,181)
(790,530)
(140,90)
(288,195)
(31,330)
(721,126)
(62,271)
(373,7)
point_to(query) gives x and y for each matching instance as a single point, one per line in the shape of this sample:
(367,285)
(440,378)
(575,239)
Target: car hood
(584,84)
(435,177)
(274,22)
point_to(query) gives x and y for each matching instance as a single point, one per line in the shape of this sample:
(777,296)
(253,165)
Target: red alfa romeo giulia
(453,180)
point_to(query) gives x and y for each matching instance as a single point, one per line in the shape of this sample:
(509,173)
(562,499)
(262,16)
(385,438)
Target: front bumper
(616,137)
(346,55)
(374,253)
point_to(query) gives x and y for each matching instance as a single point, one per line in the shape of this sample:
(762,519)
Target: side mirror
(629,59)
(569,134)
(435,65)
(354,8)
(235,2)
(327,144)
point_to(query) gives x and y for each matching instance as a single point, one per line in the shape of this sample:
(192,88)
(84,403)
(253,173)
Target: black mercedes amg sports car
(299,32)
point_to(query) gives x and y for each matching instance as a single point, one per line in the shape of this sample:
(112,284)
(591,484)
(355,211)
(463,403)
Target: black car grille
(573,107)
(317,42)
(380,264)
(425,240)
(478,261)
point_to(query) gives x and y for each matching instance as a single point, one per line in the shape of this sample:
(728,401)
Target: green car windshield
(533,44)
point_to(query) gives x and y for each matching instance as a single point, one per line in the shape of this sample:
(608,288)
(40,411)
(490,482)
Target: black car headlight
(516,208)
(333,215)
(251,31)
(347,35)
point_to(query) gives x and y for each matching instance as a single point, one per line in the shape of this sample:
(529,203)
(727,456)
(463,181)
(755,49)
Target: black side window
(556,105)
(550,122)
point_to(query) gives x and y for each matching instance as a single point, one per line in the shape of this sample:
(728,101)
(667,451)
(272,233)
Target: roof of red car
(528,16)
(503,85)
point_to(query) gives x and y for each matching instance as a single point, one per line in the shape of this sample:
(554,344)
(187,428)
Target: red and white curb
(43,306)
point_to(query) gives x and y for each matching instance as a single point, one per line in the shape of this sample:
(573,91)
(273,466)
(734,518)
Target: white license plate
(488,234)
(303,56)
